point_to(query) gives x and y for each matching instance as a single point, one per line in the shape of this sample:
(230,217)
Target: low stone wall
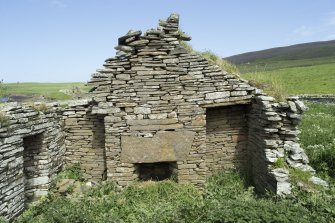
(31,153)
(319,98)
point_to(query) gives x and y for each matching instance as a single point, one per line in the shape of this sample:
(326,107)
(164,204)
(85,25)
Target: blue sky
(67,40)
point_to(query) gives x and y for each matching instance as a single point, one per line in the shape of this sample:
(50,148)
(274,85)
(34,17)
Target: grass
(225,198)
(277,63)
(319,79)
(213,58)
(48,90)
(318,138)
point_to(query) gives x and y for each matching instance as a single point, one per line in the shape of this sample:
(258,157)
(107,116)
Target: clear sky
(67,40)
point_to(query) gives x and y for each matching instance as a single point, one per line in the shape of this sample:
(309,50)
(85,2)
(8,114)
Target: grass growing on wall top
(213,58)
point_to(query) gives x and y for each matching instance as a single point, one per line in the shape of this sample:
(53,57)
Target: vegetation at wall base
(225,198)
(71,171)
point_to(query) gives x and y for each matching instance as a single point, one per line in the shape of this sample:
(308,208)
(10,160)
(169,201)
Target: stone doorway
(227,137)
(35,167)
(156,171)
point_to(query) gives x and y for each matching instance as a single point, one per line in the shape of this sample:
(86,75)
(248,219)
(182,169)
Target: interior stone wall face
(85,141)
(31,153)
(227,138)
(35,167)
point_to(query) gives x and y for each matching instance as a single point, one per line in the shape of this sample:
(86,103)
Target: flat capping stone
(228,103)
(165,146)
(156,171)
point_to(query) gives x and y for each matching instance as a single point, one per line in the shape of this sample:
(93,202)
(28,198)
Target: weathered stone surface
(147,122)
(142,110)
(217,95)
(164,146)
(317,181)
(31,152)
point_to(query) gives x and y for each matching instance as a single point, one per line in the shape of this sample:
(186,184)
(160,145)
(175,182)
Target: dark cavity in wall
(227,138)
(35,167)
(156,171)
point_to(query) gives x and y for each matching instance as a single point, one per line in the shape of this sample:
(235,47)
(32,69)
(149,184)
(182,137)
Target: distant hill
(313,50)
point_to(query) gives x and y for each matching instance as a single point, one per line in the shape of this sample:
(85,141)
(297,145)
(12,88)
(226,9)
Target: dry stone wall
(227,138)
(164,104)
(85,139)
(273,130)
(154,91)
(31,153)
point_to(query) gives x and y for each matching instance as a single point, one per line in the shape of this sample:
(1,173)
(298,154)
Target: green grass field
(273,64)
(316,79)
(48,90)
(318,137)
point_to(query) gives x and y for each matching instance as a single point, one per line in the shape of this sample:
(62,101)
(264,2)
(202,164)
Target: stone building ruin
(155,111)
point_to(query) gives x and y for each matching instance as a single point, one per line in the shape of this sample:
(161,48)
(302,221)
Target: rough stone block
(164,146)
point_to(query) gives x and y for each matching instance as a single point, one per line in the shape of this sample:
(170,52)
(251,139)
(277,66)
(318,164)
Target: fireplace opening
(156,171)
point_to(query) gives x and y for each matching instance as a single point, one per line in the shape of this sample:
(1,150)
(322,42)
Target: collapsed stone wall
(31,153)
(273,130)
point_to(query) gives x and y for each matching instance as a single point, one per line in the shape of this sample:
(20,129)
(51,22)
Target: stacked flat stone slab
(154,89)
(227,138)
(31,153)
(164,104)
(273,130)
(85,134)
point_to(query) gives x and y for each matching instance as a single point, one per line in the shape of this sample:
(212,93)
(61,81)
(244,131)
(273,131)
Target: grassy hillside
(318,79)
(299,69)
(47,90)
(295,52)
(275,64)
